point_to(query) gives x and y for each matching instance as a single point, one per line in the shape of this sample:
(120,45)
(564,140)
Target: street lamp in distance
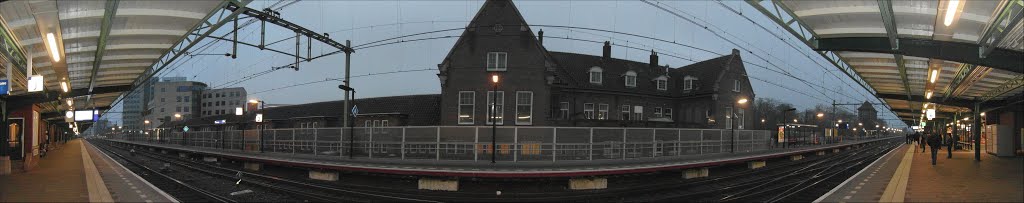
(493,116)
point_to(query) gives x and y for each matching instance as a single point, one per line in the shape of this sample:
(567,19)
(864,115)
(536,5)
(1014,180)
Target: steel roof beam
(807,36)
(918,98)
(210,23)
(1008,86)
(885,9)
(958,79)
(1009,15)
(10,49)
(108,18)
(1003,59)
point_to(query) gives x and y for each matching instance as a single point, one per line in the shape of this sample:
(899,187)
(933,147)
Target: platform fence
(474,142)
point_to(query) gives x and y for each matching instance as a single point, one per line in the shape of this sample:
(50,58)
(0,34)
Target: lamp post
(733,126)
(259,128)
(493,117)
(351,125)
(145,128)
(177,117)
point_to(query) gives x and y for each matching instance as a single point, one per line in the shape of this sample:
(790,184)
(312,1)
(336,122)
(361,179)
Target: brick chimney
(540,37)
(607,55)
(654,59)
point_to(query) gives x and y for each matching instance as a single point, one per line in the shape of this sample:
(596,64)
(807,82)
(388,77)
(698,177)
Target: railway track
(309,191)
(775,183)
(181,190)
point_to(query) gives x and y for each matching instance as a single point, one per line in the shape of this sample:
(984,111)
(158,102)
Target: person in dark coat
(923,141)
(936,143)
(950,141)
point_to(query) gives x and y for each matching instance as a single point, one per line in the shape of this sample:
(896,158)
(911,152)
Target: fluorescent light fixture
(52,43)
(935,75)
(64,86)
(951,11)
(238,111)
(928,95)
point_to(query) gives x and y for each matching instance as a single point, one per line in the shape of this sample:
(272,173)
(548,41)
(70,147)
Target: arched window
(688,82)
(630,77)
(661,82)
(596,74)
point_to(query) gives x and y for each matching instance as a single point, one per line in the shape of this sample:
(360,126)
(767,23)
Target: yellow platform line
(896,190)
(97,190)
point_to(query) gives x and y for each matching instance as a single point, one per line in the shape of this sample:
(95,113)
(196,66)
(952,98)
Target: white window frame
(630,79)
(384,123)
(657,112)
(626,111)
(588,110)
(600,75)
(529,120)
(688,83)
(499,108)
(638,113)
(602,111)
(497,61)
(728,117)
(466,118)
(563,109)
(739,119)
(736,85)
(661,82)
(668,113)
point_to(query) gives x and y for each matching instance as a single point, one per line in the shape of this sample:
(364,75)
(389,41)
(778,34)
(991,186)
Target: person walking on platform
(950,141)
(936,144)
(923,141)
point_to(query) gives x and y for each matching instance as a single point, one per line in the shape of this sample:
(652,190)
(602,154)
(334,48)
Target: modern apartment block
(222,101)
(173,98)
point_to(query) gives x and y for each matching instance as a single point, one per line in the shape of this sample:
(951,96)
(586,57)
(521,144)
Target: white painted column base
(695,173)
(323,175)
(796,157)
(588,183)
(253,166)
(756,164)
(439,184)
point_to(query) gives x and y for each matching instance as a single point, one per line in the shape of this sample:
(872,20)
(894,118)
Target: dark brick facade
(556,78)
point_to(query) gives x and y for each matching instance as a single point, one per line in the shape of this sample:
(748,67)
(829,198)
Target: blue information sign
(4,87)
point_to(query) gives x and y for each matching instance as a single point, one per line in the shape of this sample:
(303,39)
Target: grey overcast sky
(367,21)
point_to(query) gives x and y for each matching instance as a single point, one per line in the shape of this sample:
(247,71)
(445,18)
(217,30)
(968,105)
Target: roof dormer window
(661,82)
(630,77)
(688,83)
(596,74)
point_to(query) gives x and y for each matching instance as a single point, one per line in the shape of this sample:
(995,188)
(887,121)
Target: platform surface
(78,173)
(501,169)
(906,175)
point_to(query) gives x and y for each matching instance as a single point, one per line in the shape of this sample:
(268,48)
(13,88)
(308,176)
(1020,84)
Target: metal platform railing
(474,142)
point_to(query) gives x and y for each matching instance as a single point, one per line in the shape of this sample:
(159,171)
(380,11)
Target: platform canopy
(973,48)
(100,48)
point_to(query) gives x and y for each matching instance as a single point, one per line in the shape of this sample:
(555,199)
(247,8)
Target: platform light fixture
(821,115)
(928,95)
(742,101)
(935,75)
(951,12)
(64,86)
(52,43)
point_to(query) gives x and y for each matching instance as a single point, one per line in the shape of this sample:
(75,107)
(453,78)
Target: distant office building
(222,101)
(868,116)
(131,114)
(171,98)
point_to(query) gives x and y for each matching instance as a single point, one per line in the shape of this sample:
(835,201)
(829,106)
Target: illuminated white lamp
(951,12)
(935,75)
(238,111)
(52,43)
